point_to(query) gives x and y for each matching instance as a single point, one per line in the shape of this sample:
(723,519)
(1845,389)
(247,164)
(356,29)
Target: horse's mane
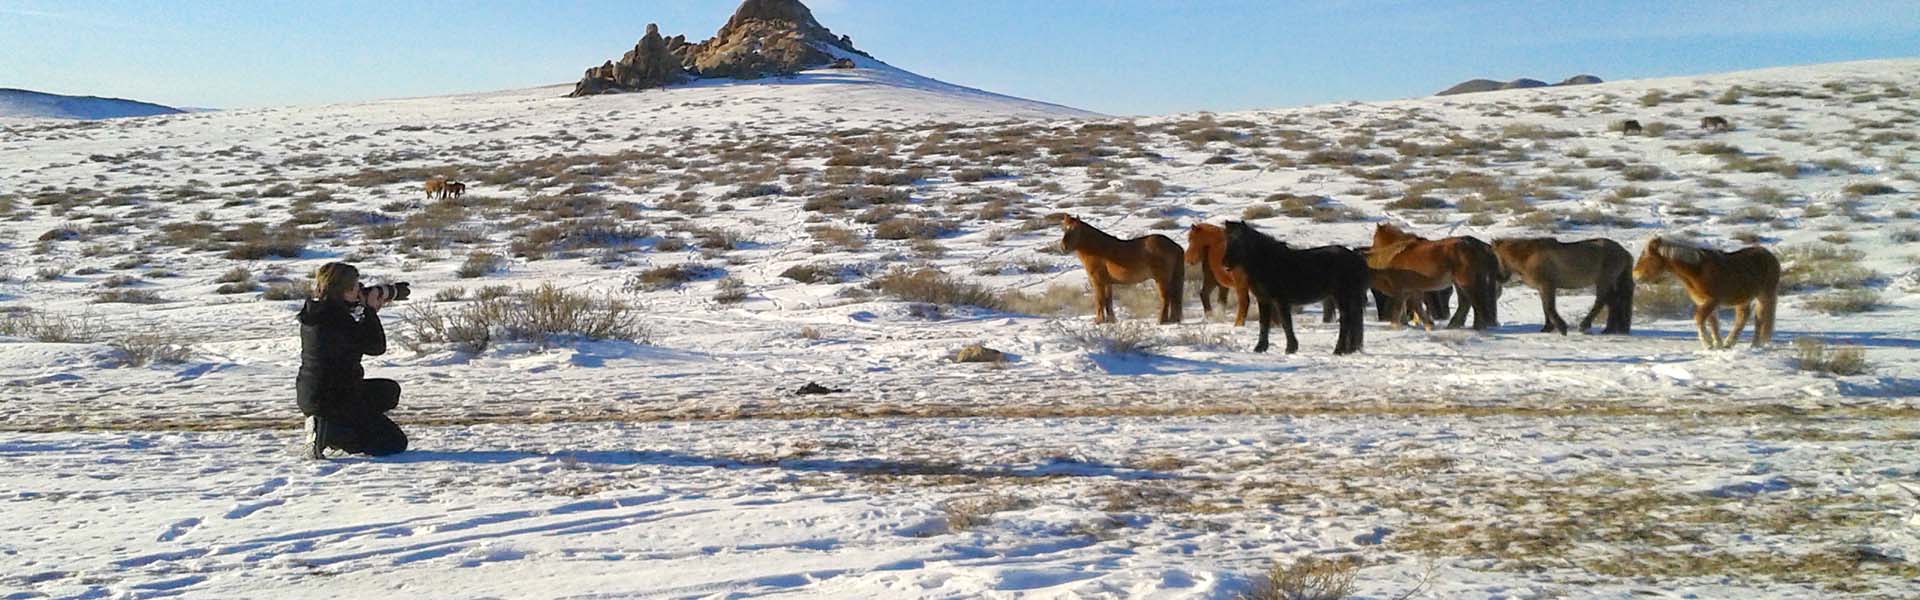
(1381,256)
(1250,234)
(1683,252)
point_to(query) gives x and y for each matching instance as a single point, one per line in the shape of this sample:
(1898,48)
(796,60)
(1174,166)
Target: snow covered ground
(1448,464)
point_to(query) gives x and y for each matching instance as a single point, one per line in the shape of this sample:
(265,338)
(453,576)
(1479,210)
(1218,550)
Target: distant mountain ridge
(1487,85)
(31,104)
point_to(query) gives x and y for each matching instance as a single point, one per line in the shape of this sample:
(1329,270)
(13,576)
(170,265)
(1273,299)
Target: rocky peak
(763,38)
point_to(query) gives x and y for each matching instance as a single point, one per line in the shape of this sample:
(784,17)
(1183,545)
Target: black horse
(1282,277)
(1439,303)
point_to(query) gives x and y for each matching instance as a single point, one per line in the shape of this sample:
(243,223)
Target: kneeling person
(339,325)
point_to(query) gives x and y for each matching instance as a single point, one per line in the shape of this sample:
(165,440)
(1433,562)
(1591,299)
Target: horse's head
(1653,261)
(1236,240)
(1385,234)
(1509,252)
(1200,237)
(1072,232)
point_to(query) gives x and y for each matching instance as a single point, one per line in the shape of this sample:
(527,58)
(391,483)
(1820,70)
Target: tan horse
(1406,292)
(1208,242)
(436,186)
(1741,278)
(1112,261)
(1550,265)
(1469,262)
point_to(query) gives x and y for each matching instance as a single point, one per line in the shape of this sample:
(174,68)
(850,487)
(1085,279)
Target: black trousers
(360,425)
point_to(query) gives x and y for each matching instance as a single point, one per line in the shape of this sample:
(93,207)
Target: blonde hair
(332,280)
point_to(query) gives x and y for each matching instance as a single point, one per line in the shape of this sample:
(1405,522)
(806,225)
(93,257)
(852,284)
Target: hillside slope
(17,103)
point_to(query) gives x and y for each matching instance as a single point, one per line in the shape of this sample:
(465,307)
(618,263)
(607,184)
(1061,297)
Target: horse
(1406,292)
(1436,302)
(1630,127)
(1280,277)
(1550,265)
(1110,260)
(1468,261)
(1208,242)
(1741,278)
(454,189)
(1715,123)
(436,186)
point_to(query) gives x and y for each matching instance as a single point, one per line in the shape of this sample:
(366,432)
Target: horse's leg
(1382,304)
(1327,309)
(1552,298)
(1102,305)
(1207,284)
(1423,313)
(1437,303)
(1469,301)
(1740,314)
(1266,323)
(1763,323)
(1353,319)
(1244,294)
(1702,313)
(1286,324)
(1602,296)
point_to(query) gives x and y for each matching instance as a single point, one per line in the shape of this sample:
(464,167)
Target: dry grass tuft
(1817,355)
(1308,578)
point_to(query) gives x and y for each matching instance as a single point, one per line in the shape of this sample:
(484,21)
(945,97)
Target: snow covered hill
(856,227)
(16,103)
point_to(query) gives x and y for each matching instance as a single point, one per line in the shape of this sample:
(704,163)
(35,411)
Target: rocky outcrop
(764,38)
(1487,85)
(654,62)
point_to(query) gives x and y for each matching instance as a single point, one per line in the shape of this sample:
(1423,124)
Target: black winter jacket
(331,344)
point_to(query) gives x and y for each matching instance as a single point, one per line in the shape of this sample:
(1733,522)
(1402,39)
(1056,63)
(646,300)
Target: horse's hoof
(1259,349)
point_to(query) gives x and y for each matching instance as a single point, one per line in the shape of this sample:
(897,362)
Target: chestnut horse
(436,186)
(1406,292)
(453,188)
(1281,277)
(1469,262)
(1110,261)
(1741,278)
(1208,242)
(1550,265)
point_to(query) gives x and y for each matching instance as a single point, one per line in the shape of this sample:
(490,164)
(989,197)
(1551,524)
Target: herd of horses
(443,189)
(1709,123)
(1412,276)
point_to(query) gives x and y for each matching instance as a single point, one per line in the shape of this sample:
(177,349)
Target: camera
(389,291)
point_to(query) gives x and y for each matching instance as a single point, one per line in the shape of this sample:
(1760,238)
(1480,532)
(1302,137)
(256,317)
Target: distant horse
(1110,261)
(1742,278)
(436,186)
(1208,242)
(1281,277)
(1468,261)
(1630,127)
(454,189)
(1549,265)
(1406,293)
(1437,302)
(1715,123)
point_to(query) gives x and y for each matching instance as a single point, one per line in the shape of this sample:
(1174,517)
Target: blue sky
(1114,56)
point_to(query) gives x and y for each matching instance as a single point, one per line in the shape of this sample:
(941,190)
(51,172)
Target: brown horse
(1550,265)
(1406,292)
(1715,123)
(1208,242)
(1741,278)
(1436,302)
(1469,262)
(1630,127)
(1110,261)
(453,189)
(436,186)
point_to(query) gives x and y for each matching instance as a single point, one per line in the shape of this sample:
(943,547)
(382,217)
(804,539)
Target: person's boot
(314,445)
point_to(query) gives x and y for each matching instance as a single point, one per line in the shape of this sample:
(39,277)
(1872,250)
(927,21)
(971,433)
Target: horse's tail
(1620,308)
(1488,281)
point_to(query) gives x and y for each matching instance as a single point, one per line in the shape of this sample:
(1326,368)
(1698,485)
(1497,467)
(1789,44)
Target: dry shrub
(1059,299)
(1664,299)
(128,297)
(909,228)
(153,347)
(1844,302)
(730,290)
(1868,188)
(1816,266)
(1125,337)
(545,316)
(666,276)
(1814,354)
(812,273)
(479,264)
(52,328)
(934,287)
(968,513)
(1308,578)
